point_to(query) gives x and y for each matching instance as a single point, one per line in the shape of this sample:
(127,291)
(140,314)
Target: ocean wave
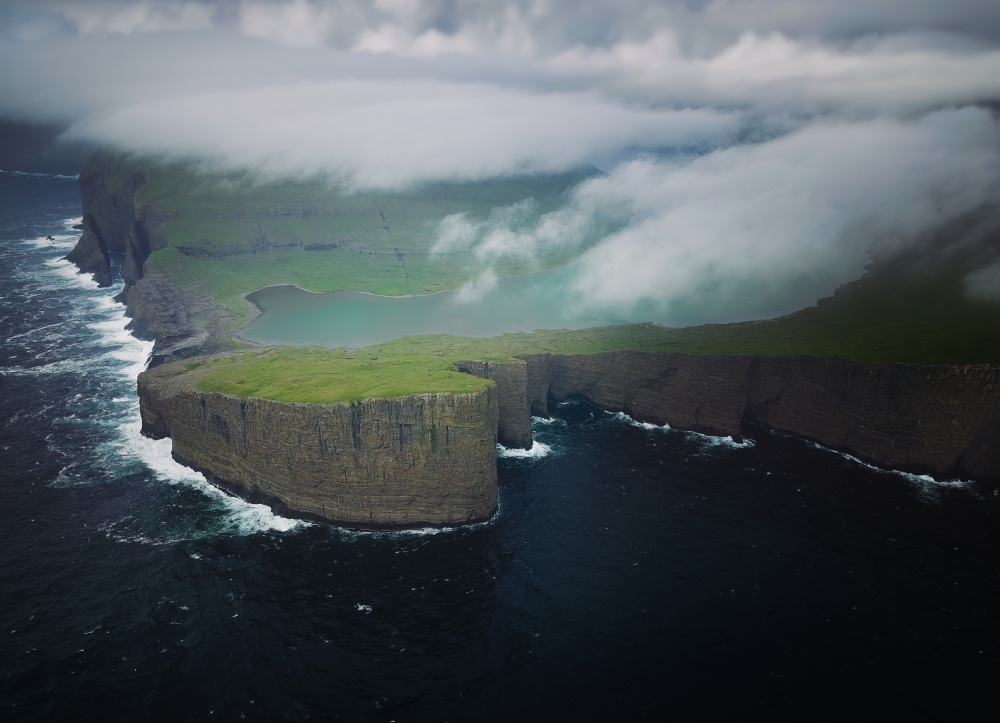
(58,242)
(622,417)
(728,441)
(351,535)
(537,451)
(67,272)
(548,421)
(125,356)
(242,517)
(924,481)
(706,439)
(40,175)
(66,366)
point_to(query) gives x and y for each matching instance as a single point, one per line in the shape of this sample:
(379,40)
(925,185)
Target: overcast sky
(777,139)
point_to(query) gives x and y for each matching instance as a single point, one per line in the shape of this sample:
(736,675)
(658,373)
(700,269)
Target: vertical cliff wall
(183,322)
(112,223)
(927,418)
(427,459)
(514,426)
(936,418)
(699,393)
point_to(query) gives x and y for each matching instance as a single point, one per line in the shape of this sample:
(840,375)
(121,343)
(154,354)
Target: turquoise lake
(337,319)
(543,300)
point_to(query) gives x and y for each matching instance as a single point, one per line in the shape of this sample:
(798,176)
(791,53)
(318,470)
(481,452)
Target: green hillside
(230,234)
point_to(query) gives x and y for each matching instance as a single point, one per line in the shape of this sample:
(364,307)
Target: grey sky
(791,106)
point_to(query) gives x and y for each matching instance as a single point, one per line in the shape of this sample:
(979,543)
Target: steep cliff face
(939,419)
(414,461)
(699,393)
(182,322)
(514,426)
(112,223)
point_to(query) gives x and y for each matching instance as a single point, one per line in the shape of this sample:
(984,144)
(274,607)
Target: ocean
(632,572)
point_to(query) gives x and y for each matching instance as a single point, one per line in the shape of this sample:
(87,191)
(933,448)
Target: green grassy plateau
(229,235)
(893,314)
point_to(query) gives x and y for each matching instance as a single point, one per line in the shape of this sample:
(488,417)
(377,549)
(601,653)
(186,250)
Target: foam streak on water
(537,451)
(926,482)
(89,340)
(706,439)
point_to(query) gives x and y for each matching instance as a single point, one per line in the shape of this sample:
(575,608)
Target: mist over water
(633,572)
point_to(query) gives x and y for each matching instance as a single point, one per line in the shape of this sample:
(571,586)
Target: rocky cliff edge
(414,461)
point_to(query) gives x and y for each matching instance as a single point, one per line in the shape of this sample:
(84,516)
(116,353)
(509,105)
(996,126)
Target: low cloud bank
(754,231)
(758,147)
(390,134)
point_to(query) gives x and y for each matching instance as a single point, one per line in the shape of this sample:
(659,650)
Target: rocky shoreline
(936,419)
(424,460)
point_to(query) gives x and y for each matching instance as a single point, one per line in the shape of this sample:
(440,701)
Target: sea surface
(632,573)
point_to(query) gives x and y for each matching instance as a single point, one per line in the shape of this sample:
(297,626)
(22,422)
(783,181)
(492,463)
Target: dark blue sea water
(633,573)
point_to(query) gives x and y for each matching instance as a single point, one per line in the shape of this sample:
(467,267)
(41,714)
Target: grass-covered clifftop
(898,312)
(226,235)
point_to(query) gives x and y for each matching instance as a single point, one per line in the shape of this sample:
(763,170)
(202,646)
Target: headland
(898,368)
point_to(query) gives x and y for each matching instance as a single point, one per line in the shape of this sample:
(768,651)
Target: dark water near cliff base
(633,573)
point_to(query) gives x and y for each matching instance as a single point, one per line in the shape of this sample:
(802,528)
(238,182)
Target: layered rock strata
(514,426)
(382,463)
(420,460)
(937,419)
(116,224)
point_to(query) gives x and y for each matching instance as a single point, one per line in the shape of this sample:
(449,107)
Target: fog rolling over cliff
(756,156)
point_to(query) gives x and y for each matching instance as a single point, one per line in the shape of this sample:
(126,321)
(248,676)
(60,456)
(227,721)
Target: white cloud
(818,124)
(389,134)
(775,71)
(778,225)
(984,284)
(757,230)
(118,18)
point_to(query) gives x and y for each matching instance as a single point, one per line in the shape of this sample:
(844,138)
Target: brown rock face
(940,419)
(926,418)
(414,461)
(183,322)
(514,427)
(698,393)
(111,224)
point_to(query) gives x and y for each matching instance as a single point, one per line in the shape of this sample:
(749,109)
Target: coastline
(659,388)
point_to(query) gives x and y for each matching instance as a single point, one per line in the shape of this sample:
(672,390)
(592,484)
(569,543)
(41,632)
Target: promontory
(899,368)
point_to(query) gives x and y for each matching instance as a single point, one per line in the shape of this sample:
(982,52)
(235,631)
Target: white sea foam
(39,175)
(58,242)
(67,272)
(548,421)
(622,417)
(538,450)
(727,441)
(924,481)
(132,355)
(242,517)
(706,439)
(58,367)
